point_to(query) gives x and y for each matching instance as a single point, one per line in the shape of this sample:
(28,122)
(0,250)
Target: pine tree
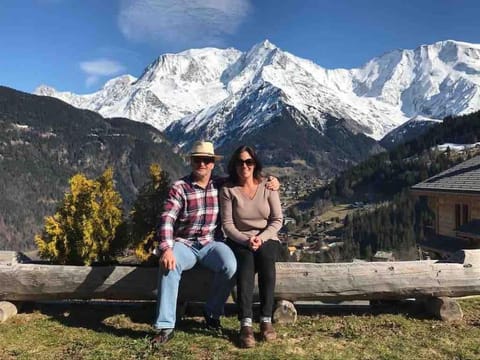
(146,211)
(109,217)
(84,226)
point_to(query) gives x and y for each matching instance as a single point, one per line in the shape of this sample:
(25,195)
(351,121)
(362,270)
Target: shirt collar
(192,181)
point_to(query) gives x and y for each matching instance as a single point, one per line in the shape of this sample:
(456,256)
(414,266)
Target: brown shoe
(247,340)
(267,332)
(164,336)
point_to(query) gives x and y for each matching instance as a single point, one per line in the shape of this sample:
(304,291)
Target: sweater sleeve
(226,206)
(275,220)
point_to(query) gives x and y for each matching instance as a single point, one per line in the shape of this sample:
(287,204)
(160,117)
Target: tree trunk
(446,309)
(295,281)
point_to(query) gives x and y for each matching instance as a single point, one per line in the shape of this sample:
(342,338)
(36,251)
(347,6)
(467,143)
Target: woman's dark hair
(232,164)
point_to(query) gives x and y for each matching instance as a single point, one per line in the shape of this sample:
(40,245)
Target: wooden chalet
(454,197)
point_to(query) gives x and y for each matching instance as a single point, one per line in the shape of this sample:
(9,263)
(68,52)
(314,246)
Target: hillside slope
(44,141)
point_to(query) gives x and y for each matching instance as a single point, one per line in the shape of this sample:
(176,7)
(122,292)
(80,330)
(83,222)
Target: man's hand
(272,183)
(254,243)
(167,260)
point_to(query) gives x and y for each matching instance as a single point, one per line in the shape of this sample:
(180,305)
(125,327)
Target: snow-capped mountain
(201,85)
(225,95)
(172,87)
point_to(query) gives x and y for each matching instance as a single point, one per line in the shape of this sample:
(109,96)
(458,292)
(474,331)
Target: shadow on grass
(96,316)
(122,319)
(409,309)
(134,320)
(197,327)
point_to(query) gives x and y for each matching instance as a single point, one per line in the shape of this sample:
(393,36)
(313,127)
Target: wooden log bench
(433,282)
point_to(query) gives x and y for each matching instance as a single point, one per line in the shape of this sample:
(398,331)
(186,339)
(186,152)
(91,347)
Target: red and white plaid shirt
(191,213)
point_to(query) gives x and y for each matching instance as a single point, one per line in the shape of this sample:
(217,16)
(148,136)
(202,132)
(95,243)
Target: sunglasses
(203,159)
(248,162)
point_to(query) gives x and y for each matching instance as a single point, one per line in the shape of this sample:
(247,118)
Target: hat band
(202,154)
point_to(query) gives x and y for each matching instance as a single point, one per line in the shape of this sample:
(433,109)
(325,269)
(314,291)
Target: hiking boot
(247,340)
(267,332)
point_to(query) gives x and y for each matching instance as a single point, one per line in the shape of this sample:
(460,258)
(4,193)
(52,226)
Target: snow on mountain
(219,91)
(455,147)
(408,131)
(433,80)
(172,87)
(237,114)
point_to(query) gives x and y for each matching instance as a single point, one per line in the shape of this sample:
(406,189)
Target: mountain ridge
(226,95)
(385,86)
(44,141)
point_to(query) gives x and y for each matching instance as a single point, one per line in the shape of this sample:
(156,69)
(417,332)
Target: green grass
(116,332)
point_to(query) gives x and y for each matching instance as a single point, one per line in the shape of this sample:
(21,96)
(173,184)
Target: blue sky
(77,45)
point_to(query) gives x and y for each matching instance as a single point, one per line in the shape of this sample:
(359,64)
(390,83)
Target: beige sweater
(243,217)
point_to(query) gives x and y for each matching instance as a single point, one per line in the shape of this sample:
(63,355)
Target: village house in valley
(454,197)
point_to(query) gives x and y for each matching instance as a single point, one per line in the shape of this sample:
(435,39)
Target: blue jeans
(215,256)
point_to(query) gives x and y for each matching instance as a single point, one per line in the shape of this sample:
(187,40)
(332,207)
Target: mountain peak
(450,42)
(265,45)
(208,51)
(211,59)
(45,90)
(123,80)
(200,86)
(261,52)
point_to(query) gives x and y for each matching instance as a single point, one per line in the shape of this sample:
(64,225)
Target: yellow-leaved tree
(146,211)
(83,229)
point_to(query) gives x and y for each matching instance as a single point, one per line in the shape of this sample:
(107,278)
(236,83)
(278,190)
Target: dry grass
(340,211)
(120,332)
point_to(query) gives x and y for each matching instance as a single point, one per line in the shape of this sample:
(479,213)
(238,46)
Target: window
(462,215)
(458,218)
(465,217)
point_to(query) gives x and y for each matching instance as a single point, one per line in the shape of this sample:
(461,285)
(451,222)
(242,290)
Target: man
(190,233)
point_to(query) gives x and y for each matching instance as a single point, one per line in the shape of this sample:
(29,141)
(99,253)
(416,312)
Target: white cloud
(98,68)
(103,67)
(185,23)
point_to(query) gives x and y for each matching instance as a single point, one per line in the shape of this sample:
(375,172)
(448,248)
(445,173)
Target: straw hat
(205,149)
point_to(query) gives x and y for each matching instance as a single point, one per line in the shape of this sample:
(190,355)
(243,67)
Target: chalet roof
(472,227)
(445,244)
(464,178)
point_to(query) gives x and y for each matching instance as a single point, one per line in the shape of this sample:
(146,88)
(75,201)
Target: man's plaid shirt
(191,213)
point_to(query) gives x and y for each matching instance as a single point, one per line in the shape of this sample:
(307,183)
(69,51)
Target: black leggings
(248,263)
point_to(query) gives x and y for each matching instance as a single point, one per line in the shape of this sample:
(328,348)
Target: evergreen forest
(397,222)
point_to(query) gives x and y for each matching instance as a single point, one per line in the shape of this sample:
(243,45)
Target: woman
(251,218)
